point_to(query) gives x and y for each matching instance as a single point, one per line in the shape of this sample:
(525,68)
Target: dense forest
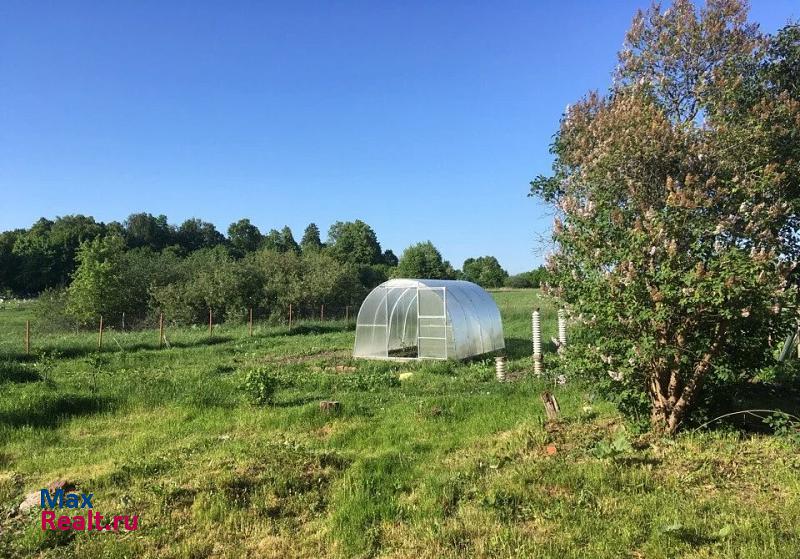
(81,268)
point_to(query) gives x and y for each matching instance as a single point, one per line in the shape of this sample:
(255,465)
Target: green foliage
(244,237)
(485,271)
(99,284)
(50,311)
(424,261)
(677,239)
(533,279)
(280,241)
(311,241)
(146,230)
(44,255)
(194,234)
(784,425)
(185,271)
(354,242)
(46,363)
(207,279)
(389,258)
(260,386)
(287,241)
(619,446)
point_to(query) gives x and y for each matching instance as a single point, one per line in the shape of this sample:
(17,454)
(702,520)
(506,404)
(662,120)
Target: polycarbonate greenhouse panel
(427,319)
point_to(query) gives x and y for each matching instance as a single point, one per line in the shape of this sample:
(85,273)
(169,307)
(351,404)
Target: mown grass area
(449,463)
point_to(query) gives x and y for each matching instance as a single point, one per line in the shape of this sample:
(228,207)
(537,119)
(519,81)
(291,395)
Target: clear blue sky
(424,119)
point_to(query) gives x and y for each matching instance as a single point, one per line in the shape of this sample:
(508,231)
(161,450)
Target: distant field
(449,463)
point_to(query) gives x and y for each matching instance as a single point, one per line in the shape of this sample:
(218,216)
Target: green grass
(449,463)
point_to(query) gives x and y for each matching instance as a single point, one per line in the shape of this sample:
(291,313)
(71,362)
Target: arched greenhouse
(427,319)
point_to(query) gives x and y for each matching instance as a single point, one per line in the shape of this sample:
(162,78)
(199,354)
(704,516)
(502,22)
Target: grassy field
(449,463)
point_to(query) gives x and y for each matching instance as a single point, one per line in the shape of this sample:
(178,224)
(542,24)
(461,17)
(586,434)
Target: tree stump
(550,406)
(329,406)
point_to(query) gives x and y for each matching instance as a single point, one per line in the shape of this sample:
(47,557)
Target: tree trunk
(672,394)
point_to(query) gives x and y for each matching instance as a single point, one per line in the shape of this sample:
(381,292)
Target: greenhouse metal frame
(404,319)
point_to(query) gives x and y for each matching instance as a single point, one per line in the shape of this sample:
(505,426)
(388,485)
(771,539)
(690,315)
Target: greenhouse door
(432,322)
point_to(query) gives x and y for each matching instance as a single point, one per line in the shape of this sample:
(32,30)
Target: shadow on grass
(298,401)
(11,371)
(110,347)
(304,329)
(50,411)
(758,396)
(518,348)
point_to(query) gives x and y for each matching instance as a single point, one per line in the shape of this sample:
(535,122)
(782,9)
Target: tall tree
(99,285)
(677,197)
(424,261)
(311,241)
(244,237)
(287,240)
(354,242)
(485,271)
(389,258)
(36,258)
(144,229)
(9,262)
(66,235)
(194,234)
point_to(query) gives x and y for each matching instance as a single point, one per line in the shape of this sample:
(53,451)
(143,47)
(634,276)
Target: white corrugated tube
(536,329)
(500,368)
(562,328)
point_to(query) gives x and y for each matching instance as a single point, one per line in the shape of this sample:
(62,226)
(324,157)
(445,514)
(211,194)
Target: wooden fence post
(100,335)
(27,337)
(347,313)
(123,320)
(210,324)
(290,316)
(160,330)
(251,322)
(321,313)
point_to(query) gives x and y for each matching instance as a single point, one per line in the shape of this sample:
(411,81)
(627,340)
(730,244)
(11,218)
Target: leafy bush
(618,446)
(677,198)
(784,425)
(260,386)
(50,311)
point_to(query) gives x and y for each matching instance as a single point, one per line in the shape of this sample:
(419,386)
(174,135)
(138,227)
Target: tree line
(81,268)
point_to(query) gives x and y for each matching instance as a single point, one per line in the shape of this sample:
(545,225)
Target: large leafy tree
(280,241)
(311,241)
(677,194)
(485,271)
(99,286)
(9,262)
(244,237)
(424,261)
(194,234)
(45,254)
(144,229)
(36,258)
(354,242)
(287,240)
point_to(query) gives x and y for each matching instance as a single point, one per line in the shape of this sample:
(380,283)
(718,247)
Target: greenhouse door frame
(442,317)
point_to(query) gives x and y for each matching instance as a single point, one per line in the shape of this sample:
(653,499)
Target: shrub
(677,198)
(260,386)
